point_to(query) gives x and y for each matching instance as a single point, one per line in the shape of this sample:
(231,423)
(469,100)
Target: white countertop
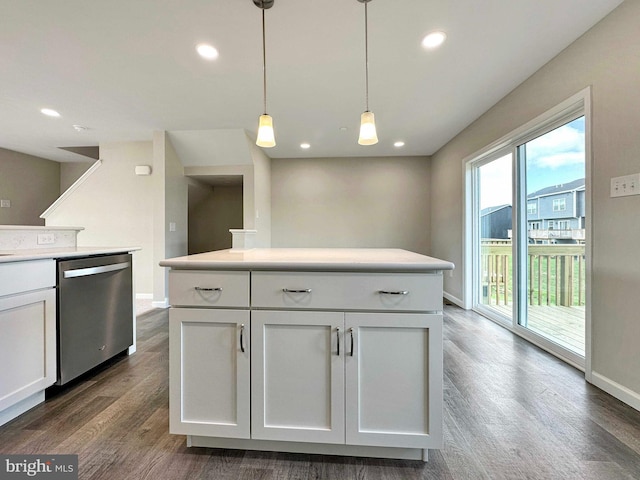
(311,259)
(64,252)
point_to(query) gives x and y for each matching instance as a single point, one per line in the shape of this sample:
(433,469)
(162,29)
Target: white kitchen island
(328,351)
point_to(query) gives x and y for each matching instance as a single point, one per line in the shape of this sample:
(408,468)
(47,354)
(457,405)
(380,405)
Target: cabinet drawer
(347,291)
(17,277)
(195,288)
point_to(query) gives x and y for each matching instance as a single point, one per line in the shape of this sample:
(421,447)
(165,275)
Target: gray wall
(212,212)
(351,202)
(608,58)
(31,183)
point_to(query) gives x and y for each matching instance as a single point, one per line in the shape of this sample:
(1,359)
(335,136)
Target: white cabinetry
(27,335)
(209,376)
(341,362)
(209,354)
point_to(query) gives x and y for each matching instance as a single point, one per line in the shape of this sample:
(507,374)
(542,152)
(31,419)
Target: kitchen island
(329,351)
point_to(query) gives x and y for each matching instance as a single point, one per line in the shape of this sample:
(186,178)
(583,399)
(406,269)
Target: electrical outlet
(625,185)
(5,203)
(46,238)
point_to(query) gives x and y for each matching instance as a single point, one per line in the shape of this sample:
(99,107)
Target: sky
(553,158)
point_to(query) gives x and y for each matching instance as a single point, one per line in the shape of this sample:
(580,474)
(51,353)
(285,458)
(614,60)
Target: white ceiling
(125,68)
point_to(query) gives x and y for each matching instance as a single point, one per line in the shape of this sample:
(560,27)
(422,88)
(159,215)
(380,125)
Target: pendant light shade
(266,137)
(368,135)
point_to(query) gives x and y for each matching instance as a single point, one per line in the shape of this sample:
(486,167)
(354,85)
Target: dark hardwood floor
(511,412)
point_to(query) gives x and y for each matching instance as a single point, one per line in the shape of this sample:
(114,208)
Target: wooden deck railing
(555,274)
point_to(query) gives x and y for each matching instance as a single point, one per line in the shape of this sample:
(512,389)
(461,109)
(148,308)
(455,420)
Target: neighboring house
(495,222)
(556,214)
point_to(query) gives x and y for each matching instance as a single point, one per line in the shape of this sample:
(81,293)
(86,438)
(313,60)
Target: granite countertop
(311,259)
(62,252)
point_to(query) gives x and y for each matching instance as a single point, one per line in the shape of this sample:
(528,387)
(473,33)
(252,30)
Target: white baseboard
(454,300)
(161,304)
(621,392)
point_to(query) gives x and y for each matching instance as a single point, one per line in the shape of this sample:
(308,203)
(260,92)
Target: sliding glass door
(528,243)
(554,217)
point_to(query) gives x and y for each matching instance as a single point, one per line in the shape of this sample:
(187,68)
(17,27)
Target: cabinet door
(209,372)
(297,383)
(394,380)
(27,345)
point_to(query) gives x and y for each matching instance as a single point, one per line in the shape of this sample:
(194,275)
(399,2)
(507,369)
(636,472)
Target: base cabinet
(354,378)
(297,389)
(209,372)
(283,374)
(27,335)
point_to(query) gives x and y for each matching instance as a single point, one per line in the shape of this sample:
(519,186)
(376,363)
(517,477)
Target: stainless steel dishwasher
(94,312)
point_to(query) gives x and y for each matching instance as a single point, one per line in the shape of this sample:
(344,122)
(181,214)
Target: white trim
(454,300)
(161,304)
(67,193)
(144,296)
(617,390)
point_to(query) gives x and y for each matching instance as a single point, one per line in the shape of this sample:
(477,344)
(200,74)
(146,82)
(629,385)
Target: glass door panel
(553,226)
(493,242)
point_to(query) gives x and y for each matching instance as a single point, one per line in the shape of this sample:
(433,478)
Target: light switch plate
(625,185)
(5,203)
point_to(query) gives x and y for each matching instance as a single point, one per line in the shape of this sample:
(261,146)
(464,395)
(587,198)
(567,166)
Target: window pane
(494,220)
(554,306)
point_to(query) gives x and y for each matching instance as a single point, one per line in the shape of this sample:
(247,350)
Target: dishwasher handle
(83,272)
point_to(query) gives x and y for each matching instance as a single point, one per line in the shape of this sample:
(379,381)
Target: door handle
(83,272)
(338,338)
(351,332)
(242,338)
(208,289)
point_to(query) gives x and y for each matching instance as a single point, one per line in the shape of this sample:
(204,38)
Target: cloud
(560,147)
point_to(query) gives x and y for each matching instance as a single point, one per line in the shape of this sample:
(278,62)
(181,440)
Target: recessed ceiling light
(434,39)
(49,112)
(207,51)
(399,144)
(305,145)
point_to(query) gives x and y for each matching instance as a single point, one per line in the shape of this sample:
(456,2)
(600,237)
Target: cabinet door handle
(296,290)
(351,332)
(242,338)
(208,289)
(338,337)
(393,292)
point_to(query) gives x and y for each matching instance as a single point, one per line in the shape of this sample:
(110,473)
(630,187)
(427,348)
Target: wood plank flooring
(511,412)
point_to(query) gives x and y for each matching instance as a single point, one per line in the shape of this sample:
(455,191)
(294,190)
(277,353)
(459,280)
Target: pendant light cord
(366,57)
(264,64)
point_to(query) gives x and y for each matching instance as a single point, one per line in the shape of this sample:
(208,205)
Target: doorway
(215,205)
(528,235)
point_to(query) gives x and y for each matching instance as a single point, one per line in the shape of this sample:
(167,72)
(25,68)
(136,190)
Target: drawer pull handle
(394,292)
(296,290)
(209,289)
(338,337)
(242,338)
(351,332)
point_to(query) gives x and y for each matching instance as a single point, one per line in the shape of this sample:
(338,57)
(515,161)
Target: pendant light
(368,135)
(266,137)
